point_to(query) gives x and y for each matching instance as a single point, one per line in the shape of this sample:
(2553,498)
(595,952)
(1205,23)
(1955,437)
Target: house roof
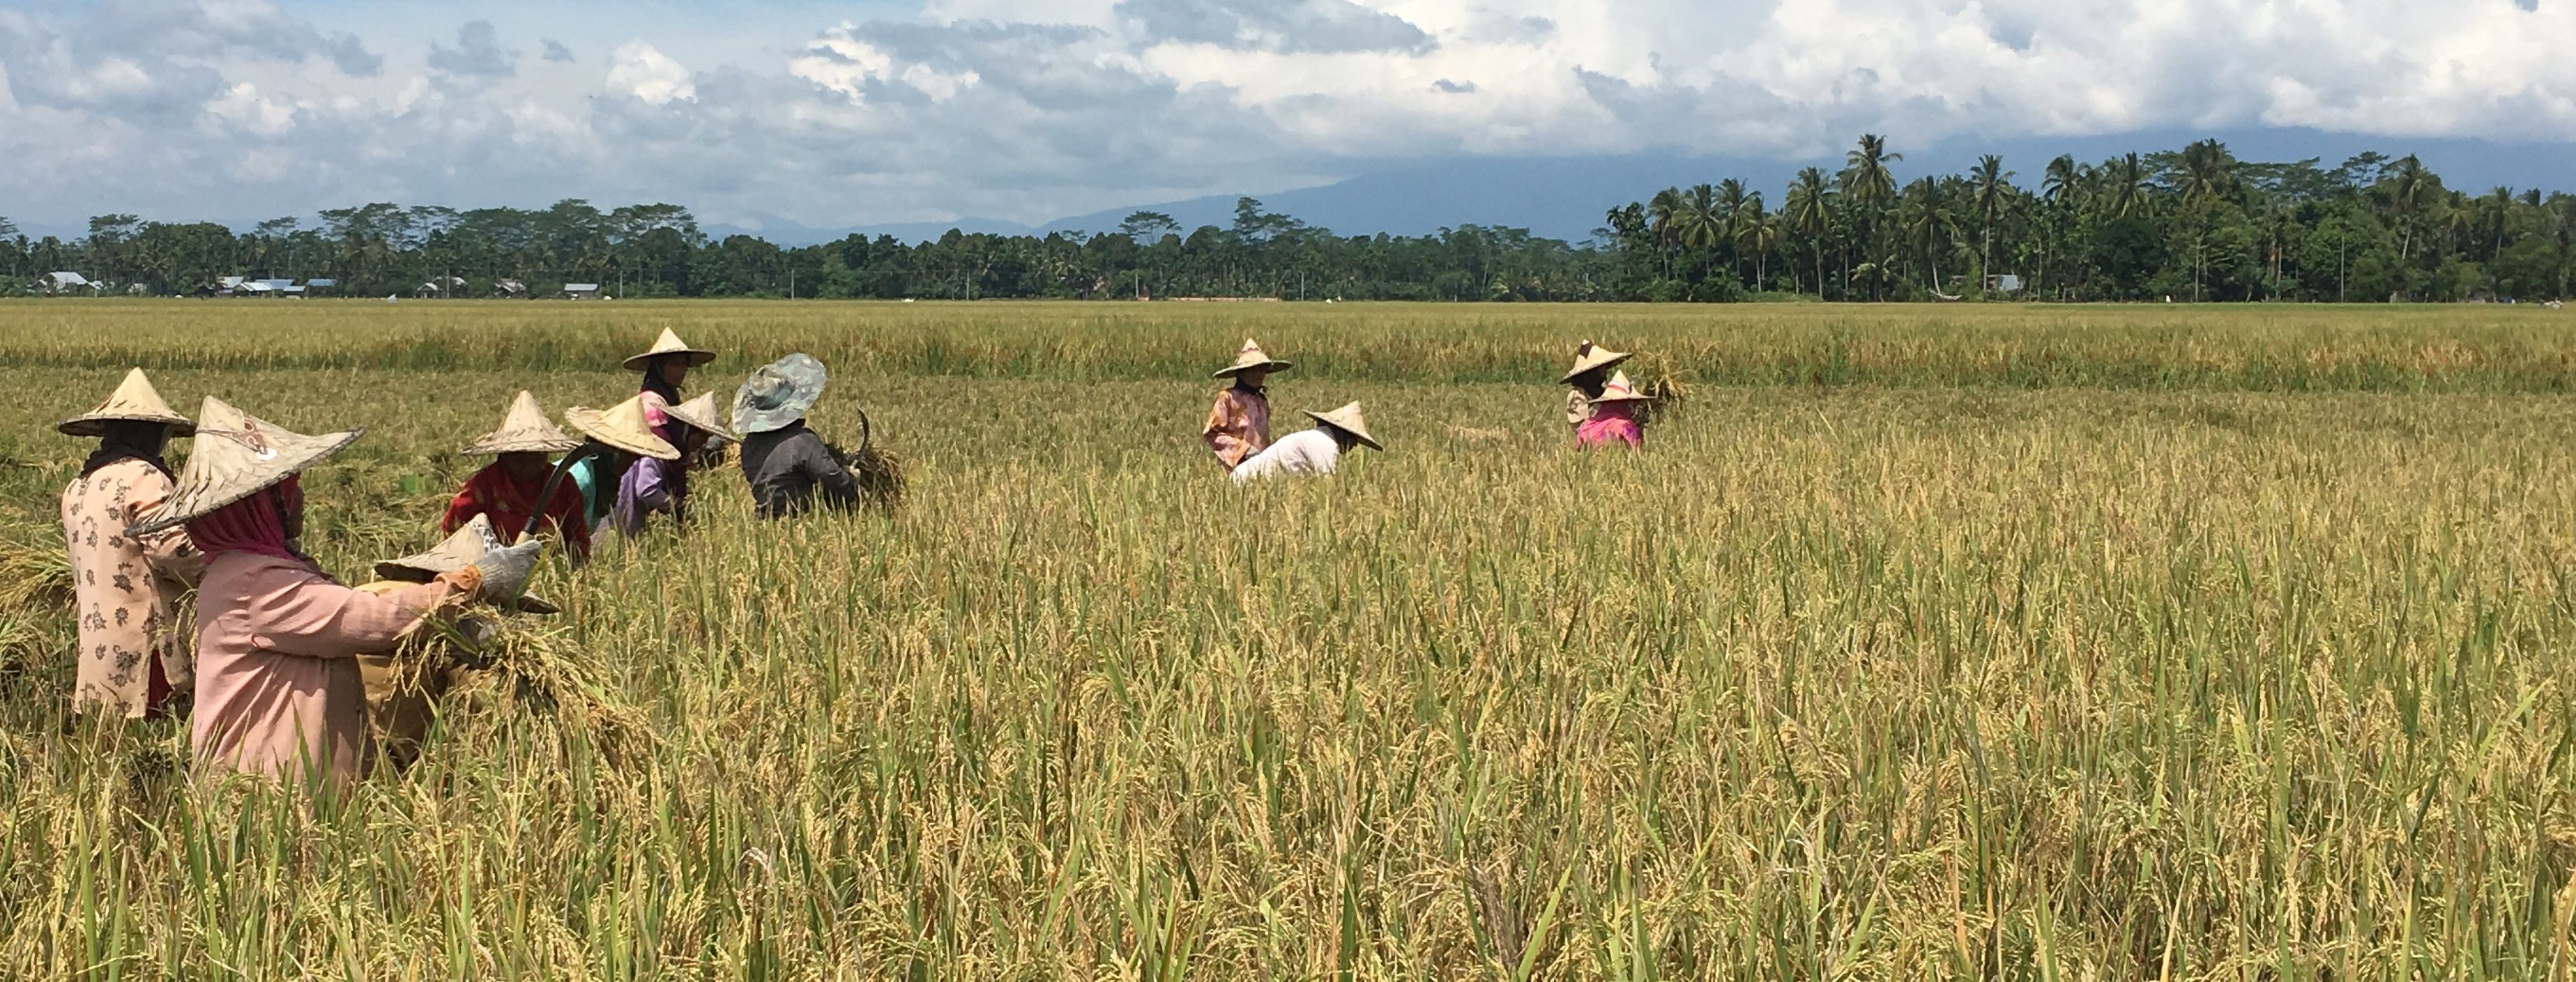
(581,288)
(70,279)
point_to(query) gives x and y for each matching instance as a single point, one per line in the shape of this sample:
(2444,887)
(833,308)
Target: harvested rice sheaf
(525,666)
(879,473)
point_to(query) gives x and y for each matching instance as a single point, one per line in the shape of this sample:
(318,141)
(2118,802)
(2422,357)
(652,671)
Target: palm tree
(2409,191)
(1808,213)
(1993,192)
(1759,236)
(1701,221)
(2207,172)
(1867,182)
(2129,193)
(1928,226)
(1661,210)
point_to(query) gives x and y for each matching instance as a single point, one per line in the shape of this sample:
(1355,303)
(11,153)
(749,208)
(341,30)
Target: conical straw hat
(670,344)
(133,401)
(1620,390)
(1249,358)
(701,413)
(779,393)
(525,430)
(470,542)
(1347,419)
(236,455)
(621,427)
(1590,357)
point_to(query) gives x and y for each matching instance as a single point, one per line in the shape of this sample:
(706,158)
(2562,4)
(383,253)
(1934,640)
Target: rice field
(1944,642)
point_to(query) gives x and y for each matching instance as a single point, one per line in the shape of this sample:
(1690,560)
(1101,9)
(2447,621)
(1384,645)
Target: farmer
(785,462)
(618,436)
(1590,373)
(278,688)
(655,485)
(666,370)
(399,702)
(132,660)
(1239,425)
(1315,451)
(507,489)
(1614,419)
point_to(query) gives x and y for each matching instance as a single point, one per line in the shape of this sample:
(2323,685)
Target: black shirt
(785,465)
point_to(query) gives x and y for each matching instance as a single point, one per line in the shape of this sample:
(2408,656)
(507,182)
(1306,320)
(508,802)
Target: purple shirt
(649,486)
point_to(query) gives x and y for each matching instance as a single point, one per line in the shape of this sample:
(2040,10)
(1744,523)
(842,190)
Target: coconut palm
(1928,225)
(2128,191)
(1701,220)
(1809,213)
(2207,172)
(1993,193)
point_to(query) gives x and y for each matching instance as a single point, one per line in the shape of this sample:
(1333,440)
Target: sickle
(588,448)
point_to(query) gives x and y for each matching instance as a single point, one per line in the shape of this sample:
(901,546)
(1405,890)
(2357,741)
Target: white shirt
(1307,452)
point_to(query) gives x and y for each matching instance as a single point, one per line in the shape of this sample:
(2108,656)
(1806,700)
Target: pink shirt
(1605,426)
(277,680)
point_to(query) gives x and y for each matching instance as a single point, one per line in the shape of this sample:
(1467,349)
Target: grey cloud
(555,51)
(1288,26)
(478,53)
(1453,88)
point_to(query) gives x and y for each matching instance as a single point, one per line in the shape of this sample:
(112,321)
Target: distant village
(68,283)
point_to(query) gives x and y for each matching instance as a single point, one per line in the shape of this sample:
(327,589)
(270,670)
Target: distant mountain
(1564,197)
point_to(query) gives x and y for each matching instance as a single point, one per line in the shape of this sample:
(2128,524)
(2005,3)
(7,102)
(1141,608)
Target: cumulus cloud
(478,53)
(1030,110)
(640,70)
(1312,26)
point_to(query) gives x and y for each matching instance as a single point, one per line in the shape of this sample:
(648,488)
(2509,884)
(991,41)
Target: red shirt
(492,491)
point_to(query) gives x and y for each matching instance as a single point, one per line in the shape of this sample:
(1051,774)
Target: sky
(888,111)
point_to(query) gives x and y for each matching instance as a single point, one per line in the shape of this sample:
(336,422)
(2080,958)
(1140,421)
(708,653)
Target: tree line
(2193,224)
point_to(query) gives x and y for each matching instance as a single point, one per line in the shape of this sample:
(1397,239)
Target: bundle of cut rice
(525,666)
(878,471)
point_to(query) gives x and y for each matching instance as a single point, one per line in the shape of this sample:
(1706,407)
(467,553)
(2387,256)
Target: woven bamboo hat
(1347,419)
(1251,357)
(779,393)
(621,427)
(134,401)
(701,413)
(470,543)
(525,430)
(1620,389)
(669,344)
(1591,357)
(236,455)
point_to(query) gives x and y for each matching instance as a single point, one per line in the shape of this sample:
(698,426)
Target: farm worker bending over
(507,489)
(131,658)
(278,688)
(1614,417)
(785,462)
(666,368)
(1239,425)
(655,485)
(1315,451)
(1591,371)
(618,437)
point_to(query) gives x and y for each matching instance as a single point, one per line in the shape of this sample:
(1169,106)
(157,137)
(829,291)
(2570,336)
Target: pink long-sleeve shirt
(277,678)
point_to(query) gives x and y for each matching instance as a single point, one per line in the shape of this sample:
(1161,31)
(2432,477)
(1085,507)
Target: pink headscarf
(254,524)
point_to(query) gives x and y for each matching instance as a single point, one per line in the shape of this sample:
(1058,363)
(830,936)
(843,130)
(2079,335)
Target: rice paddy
(1948,642)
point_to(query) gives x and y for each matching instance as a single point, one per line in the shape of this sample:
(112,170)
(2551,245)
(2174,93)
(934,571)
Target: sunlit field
(1921,642)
